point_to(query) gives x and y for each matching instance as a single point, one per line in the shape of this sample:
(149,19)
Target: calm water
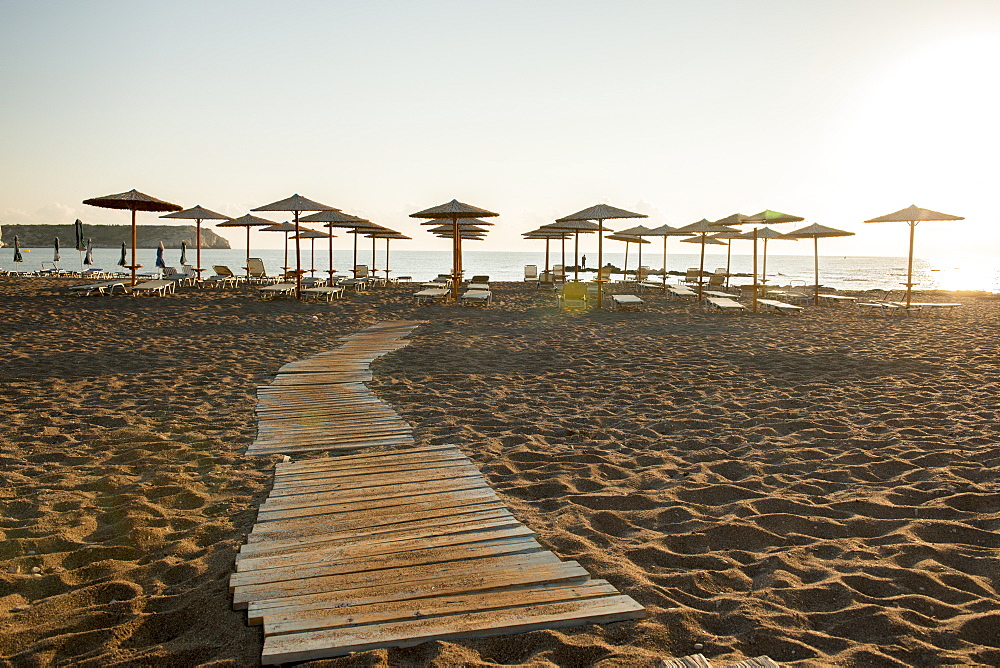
(837,272)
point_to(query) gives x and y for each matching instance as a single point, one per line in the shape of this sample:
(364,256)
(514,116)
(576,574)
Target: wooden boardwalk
(389,547)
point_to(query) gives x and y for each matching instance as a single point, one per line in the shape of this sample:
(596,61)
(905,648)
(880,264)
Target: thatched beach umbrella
(628,239)
(600,213)
(248,222)
(703,228)
(312,235)
(134,201)
(454,210)
(296,204)
(912,215)
(764,233)
(388,235)
(577,227)
(734,219)
(815,231)
(664,231)
(637,231)
(197,214)
(369,228)
(341,220)
(548,235)
(766,217)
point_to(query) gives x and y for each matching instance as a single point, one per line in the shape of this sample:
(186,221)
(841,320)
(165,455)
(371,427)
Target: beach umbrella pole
(664,264)
(197,252)
(701,267)
(134,266)
(600,262)
(816,271)
(298,259)
(909,265)
(330,270)
(753,288)
(248,252)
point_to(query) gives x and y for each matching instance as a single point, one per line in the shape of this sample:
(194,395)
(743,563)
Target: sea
(835,272)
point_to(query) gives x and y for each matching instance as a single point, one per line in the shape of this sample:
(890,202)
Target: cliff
(111,236)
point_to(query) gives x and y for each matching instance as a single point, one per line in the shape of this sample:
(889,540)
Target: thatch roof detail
(709,241)
(245,221)
(447,221)
(311,234)
(913,214)
(768,217)
(461,226)
(703,226)
(391,234)
(333,218)
(762,233)
(664,231)
(197,213)
(601,212)
(132,200)
(581,226)
(281,227)
(628,238)
(734,219)
(295,203)
(453,209)
(638,230)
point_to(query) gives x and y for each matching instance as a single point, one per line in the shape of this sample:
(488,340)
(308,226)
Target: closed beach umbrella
(159,256)
(197,214)
(121,260)
(296,204)
(133,200)
(340,220)
(600,213)
(79,245)
(184,253)
(88,259)
(703,228)
(17,249)
(55,255)
(912,215)
(815,231)
(248,222)
(454,210)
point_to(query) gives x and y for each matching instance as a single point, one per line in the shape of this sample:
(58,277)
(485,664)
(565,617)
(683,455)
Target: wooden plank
(380,613)
(397,561)
(371,458)
(369,494)
(348,445)
(308,645)
(321,554)
(368,476)
(421,531)
(445,585)
(482,567)
(323,503)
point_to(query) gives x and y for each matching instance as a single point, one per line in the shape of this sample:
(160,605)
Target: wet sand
(820,488)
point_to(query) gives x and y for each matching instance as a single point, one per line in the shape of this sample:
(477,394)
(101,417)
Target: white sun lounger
(329,293)
(778,307)
(477,296)
(727,304)
(107,288)
(681,292)
(431,295)
(837,299)
(161,287)
(626,302)
(277,290)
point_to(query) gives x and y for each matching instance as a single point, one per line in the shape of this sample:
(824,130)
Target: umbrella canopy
(600,213)
(184,253)
(55,255)
(17,249)
(248,222)
(454,210)
(159,256)
(133,200)
(912,215)
(197,214)
(89,257)
(447,221)
(462,227)
(296,204)
(343,220)
(815,231)
(703,227)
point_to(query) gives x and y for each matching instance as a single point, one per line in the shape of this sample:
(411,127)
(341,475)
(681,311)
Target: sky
(834,110)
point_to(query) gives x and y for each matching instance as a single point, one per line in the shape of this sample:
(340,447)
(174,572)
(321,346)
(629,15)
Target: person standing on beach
(583,261)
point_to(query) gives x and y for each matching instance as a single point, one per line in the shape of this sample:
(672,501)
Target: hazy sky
(835,110)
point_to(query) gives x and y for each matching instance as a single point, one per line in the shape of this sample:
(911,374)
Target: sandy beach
(820,488)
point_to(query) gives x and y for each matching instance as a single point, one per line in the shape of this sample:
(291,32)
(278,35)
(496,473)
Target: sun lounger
(681,292)
(778,307)
(479,286)
(573,295)
(431,295)
(931,306)
(717,293)
(625,302)
(327,292)
(788,296)
(160,287)
(481,297)
(107,288)
(727,304)
(837,299)
(277,290)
